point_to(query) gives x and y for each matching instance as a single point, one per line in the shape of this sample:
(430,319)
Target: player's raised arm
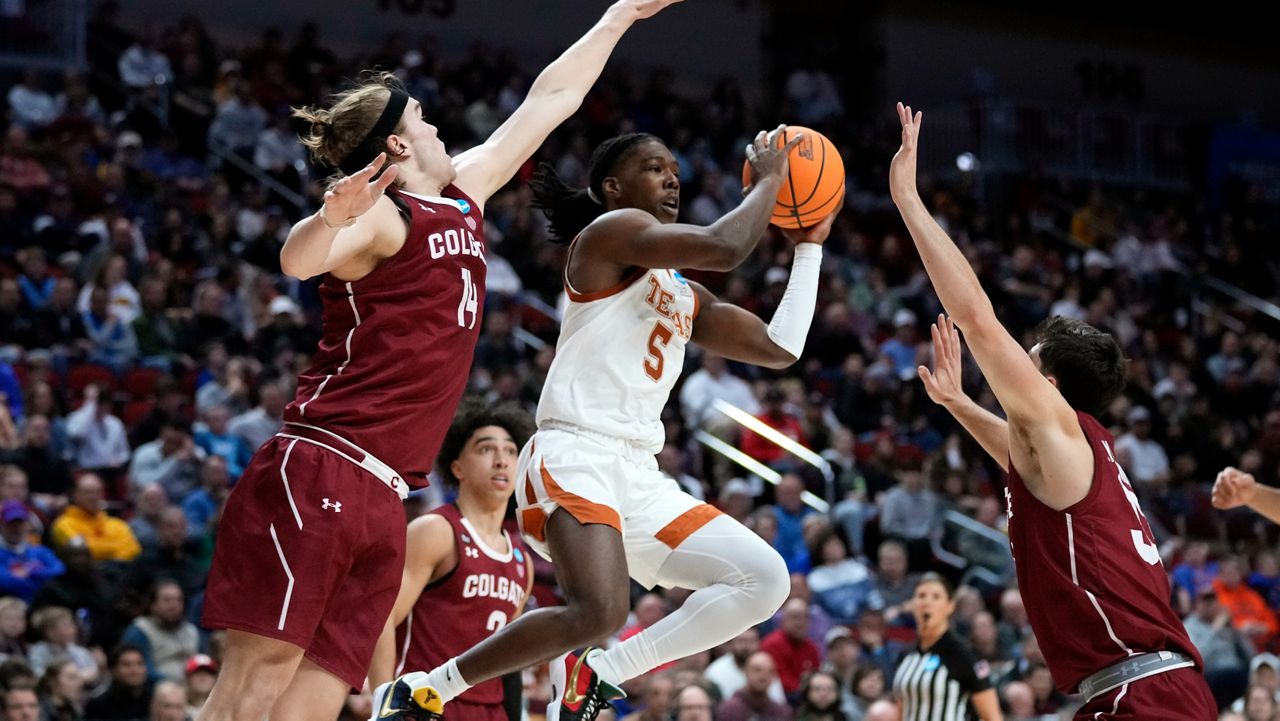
(556,94)
(348,224)
(944,387)
(639,238)
(738,334)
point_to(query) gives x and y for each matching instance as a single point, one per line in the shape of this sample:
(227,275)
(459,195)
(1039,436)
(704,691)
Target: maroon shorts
(459,710)
(1178,695)
(310,551)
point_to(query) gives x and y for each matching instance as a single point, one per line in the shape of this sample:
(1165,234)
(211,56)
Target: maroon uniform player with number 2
(311,546)
(1096,592)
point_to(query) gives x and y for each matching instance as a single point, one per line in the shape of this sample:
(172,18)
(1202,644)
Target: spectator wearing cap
(1143,459)
(1226,652)
(164,636)
(841,659)
(25,567)
(794,654)
(841,586)
(285,332)
(86,522)
(171,461)
(736,499)
(202,671)
(901,347)
(710,383)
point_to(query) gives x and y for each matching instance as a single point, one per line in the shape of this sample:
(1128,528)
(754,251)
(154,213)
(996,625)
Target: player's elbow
(777,358)
(294,267)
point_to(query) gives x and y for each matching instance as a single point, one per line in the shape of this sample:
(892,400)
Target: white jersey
(619,354)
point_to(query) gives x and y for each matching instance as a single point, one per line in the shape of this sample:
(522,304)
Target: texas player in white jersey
(590,494)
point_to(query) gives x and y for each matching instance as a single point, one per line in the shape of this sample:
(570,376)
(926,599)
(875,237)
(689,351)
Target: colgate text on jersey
(453,241)
(486,585)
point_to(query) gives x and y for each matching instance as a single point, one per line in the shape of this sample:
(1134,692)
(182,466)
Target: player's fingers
(902,118)
(388,177)
(372,168)
(918,120)
(762,140)
(793,142)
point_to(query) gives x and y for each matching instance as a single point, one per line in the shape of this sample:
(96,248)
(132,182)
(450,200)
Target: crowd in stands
(149,342)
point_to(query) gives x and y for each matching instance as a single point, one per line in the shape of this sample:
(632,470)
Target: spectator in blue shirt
(217,440)
(790,512)
(24,566)
(201,505)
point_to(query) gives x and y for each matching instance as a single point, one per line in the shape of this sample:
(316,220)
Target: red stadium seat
(135,411)
(140,383)
(79,377)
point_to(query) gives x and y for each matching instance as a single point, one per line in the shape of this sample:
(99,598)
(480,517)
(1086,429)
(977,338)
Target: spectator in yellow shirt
(107,538)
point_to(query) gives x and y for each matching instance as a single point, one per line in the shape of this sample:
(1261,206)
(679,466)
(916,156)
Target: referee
(941,680)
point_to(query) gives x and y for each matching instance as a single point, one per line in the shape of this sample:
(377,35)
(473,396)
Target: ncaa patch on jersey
(679,277)
(463,205)
(519,555)
(932,662)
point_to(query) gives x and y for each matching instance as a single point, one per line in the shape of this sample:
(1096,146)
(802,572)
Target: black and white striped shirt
(935,684)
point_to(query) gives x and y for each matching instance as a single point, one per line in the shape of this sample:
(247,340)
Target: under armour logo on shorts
(335,505)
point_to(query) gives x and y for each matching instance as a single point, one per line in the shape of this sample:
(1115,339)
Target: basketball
(815,180)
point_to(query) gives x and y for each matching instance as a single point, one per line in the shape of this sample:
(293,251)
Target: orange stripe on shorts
(580,508)
(683,526)
(534,523)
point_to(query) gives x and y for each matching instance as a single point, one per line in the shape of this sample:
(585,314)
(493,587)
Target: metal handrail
(1241,296)
(767,432)
(768,474)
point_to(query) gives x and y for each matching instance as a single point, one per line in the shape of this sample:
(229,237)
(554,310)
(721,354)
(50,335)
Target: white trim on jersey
(351,298)
(404,648)
(288,591)
(495,555)
(288,492)
(1115,707)
(1071,549)
(438,199)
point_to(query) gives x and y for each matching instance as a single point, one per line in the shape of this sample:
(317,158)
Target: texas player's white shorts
(603,479)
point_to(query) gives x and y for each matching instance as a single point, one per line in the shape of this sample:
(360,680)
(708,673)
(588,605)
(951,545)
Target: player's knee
(768,583)
(598,616)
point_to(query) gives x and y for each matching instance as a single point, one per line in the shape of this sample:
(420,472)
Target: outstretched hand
(645,8)
(902,171)
(354,195)
(766,157)
(1232,488)
(944,384)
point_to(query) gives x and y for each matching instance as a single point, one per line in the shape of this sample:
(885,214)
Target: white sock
(740,582)
(446,680)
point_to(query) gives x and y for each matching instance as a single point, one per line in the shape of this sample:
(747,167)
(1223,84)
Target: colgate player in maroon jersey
(1096,593)
(310,551)
(464,576)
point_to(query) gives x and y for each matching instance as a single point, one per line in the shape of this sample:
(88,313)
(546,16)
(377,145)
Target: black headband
(374,140)
(600,169)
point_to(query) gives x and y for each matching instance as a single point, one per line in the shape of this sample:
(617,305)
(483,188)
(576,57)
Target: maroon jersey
(398,343)
(483,591)
(1091,577)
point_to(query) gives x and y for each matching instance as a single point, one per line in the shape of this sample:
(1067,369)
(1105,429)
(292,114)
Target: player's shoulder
(430,527)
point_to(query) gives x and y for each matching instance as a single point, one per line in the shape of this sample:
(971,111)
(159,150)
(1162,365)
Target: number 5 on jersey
(470,302)
(658,340)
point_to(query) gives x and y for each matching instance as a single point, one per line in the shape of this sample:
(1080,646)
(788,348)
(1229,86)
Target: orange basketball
(815,180)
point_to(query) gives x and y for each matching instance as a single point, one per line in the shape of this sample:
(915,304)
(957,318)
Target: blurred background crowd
(149,342)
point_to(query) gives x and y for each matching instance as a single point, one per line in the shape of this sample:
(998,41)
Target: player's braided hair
(475,413)
(572,209)
(1088,364)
